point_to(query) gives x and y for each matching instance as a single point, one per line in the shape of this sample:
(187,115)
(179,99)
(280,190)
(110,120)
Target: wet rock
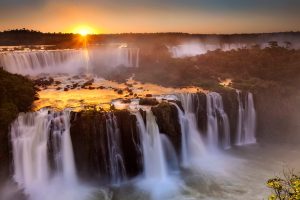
(201,112)
(126,100)
(88,83)
(57,82)
(75,85)
(168,123)
(76,77)
(5,156)
(131,142)
(148,101)
(128,84)
(120,91)
(89,138)
(129,90)
(44,81)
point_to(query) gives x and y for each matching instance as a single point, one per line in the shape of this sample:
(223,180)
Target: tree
(287,188)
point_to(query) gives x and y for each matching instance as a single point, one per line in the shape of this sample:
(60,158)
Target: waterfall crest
(68,61)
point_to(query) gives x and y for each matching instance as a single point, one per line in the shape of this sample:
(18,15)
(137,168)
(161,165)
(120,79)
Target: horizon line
(145,33)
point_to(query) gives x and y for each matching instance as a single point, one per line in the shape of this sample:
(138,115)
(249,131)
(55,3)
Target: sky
(120,16)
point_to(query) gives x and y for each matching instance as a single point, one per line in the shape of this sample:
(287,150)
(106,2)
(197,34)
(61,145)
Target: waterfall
(246,123)
(34,137)
(36,62)
(116,166)
(190,49)
(192,147)
(68,61)
(217,122)
(114,57)
(155,167)
(170,153)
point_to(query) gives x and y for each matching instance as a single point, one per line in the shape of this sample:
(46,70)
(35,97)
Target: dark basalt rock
(201,110)
(167,120)
(131,142)
(88,83)
(148,102)
(5,155)
(44,81)
(89,139)
(120,91)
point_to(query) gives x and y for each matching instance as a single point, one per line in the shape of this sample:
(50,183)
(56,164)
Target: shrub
(287,188)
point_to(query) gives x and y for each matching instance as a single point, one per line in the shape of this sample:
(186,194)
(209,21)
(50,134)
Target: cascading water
(155,167)
(246,123)
(114,57)
(217,122)
(159,159)
(36,62)
(68,61)
(116,166)
(197,48)
(192,147)
(38,138)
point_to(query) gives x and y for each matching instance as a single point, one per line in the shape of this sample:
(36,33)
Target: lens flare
(84,30)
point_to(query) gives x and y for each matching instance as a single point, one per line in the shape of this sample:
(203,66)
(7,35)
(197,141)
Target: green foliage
(287,188)
(16,95)
(273,67)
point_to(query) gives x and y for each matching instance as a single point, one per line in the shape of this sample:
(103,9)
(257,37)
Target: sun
(84,30)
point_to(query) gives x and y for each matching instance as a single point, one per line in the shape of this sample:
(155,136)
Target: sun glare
(84,30)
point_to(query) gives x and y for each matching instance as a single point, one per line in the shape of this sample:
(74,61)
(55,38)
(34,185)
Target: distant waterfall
(37,138)
(116,166)
(68,61)
(155,166)
(246,123)
(192,147)
(114,57)
(217,122)
(190,49)
(36,62)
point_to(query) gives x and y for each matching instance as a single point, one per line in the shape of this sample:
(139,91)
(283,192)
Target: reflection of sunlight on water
(226,82)
(100,93)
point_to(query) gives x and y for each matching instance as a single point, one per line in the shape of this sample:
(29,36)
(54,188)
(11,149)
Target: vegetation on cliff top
(250,68)
(17,93)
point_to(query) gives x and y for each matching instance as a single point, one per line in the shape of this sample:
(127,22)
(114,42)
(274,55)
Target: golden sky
(117,16)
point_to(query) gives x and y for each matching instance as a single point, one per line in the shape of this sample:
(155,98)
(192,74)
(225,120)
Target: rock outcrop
(168,123)
(89,138)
